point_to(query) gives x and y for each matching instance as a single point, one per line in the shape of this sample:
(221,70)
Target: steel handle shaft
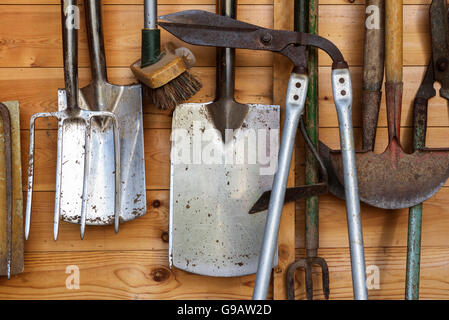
(95,38)
(342,92)
(296,96)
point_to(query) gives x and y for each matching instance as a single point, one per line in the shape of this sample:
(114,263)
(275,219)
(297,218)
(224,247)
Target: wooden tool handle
(393,67)
(373,69)
(393,40)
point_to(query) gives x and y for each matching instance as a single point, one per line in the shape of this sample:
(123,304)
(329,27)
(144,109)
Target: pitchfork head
(68,119)
(307,264)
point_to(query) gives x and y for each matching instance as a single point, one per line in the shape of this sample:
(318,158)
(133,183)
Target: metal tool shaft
(150,11)
(294,107)
(342,92)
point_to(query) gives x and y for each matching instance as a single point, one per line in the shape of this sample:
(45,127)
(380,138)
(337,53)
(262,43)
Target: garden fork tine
(307,264)
(70,119)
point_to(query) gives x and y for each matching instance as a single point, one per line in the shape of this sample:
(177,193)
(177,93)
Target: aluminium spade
(211,232)
(126,103)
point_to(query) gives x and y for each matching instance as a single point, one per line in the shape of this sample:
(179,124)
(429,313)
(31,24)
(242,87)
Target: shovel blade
(126,103)
(212,190)
(396,181)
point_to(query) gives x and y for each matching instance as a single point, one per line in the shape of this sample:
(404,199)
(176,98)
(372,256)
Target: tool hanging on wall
(437,71)
(204,28)
(210,231)
(306,16)
(76,133)
(373,72)
(11,218)
(164,73)
(395,179)
(125,102)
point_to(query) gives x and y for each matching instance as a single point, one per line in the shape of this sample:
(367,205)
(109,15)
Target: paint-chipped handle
(373,69)
(419,123)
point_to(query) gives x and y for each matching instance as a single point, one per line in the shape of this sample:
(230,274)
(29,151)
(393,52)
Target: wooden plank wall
(134,263)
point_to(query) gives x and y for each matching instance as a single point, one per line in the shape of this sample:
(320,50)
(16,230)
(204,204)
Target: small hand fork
(70,119)
(308,263)
(8,168)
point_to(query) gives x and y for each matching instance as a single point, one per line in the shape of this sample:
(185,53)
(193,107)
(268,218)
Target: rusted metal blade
(395,179)
(208,29)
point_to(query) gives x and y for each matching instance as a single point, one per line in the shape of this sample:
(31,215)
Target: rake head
(307,264)
(69,121)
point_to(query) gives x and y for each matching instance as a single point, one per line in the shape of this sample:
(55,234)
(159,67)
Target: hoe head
(395,179)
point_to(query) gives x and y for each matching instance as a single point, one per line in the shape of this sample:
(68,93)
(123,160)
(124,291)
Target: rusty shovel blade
(395,179)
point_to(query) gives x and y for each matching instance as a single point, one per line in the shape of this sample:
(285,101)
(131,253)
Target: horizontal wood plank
(36,90)
(41,45)
(390,262)
(117,275)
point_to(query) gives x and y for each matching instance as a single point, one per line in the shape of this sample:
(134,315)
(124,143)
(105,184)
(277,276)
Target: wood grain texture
(117,275)
(37,89)
(390,263)
(41,45)
(134,263)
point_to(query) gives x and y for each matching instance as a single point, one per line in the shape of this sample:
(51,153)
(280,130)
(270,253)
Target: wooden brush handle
(393,66)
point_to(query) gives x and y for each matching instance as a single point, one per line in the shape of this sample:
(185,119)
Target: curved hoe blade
(405,182)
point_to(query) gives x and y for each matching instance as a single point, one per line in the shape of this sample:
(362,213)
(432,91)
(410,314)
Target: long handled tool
(11,223)
(306,15)
(395,179)
(73,122)
(204,28)
(373,72)
(210,231)
(437,70)
(125,102)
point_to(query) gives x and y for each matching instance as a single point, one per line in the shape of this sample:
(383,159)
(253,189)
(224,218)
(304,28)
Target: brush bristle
(177,91)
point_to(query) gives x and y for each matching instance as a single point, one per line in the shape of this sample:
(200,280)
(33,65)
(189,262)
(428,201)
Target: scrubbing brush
(165,73)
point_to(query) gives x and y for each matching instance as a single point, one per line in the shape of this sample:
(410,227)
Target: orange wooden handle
(393,40)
